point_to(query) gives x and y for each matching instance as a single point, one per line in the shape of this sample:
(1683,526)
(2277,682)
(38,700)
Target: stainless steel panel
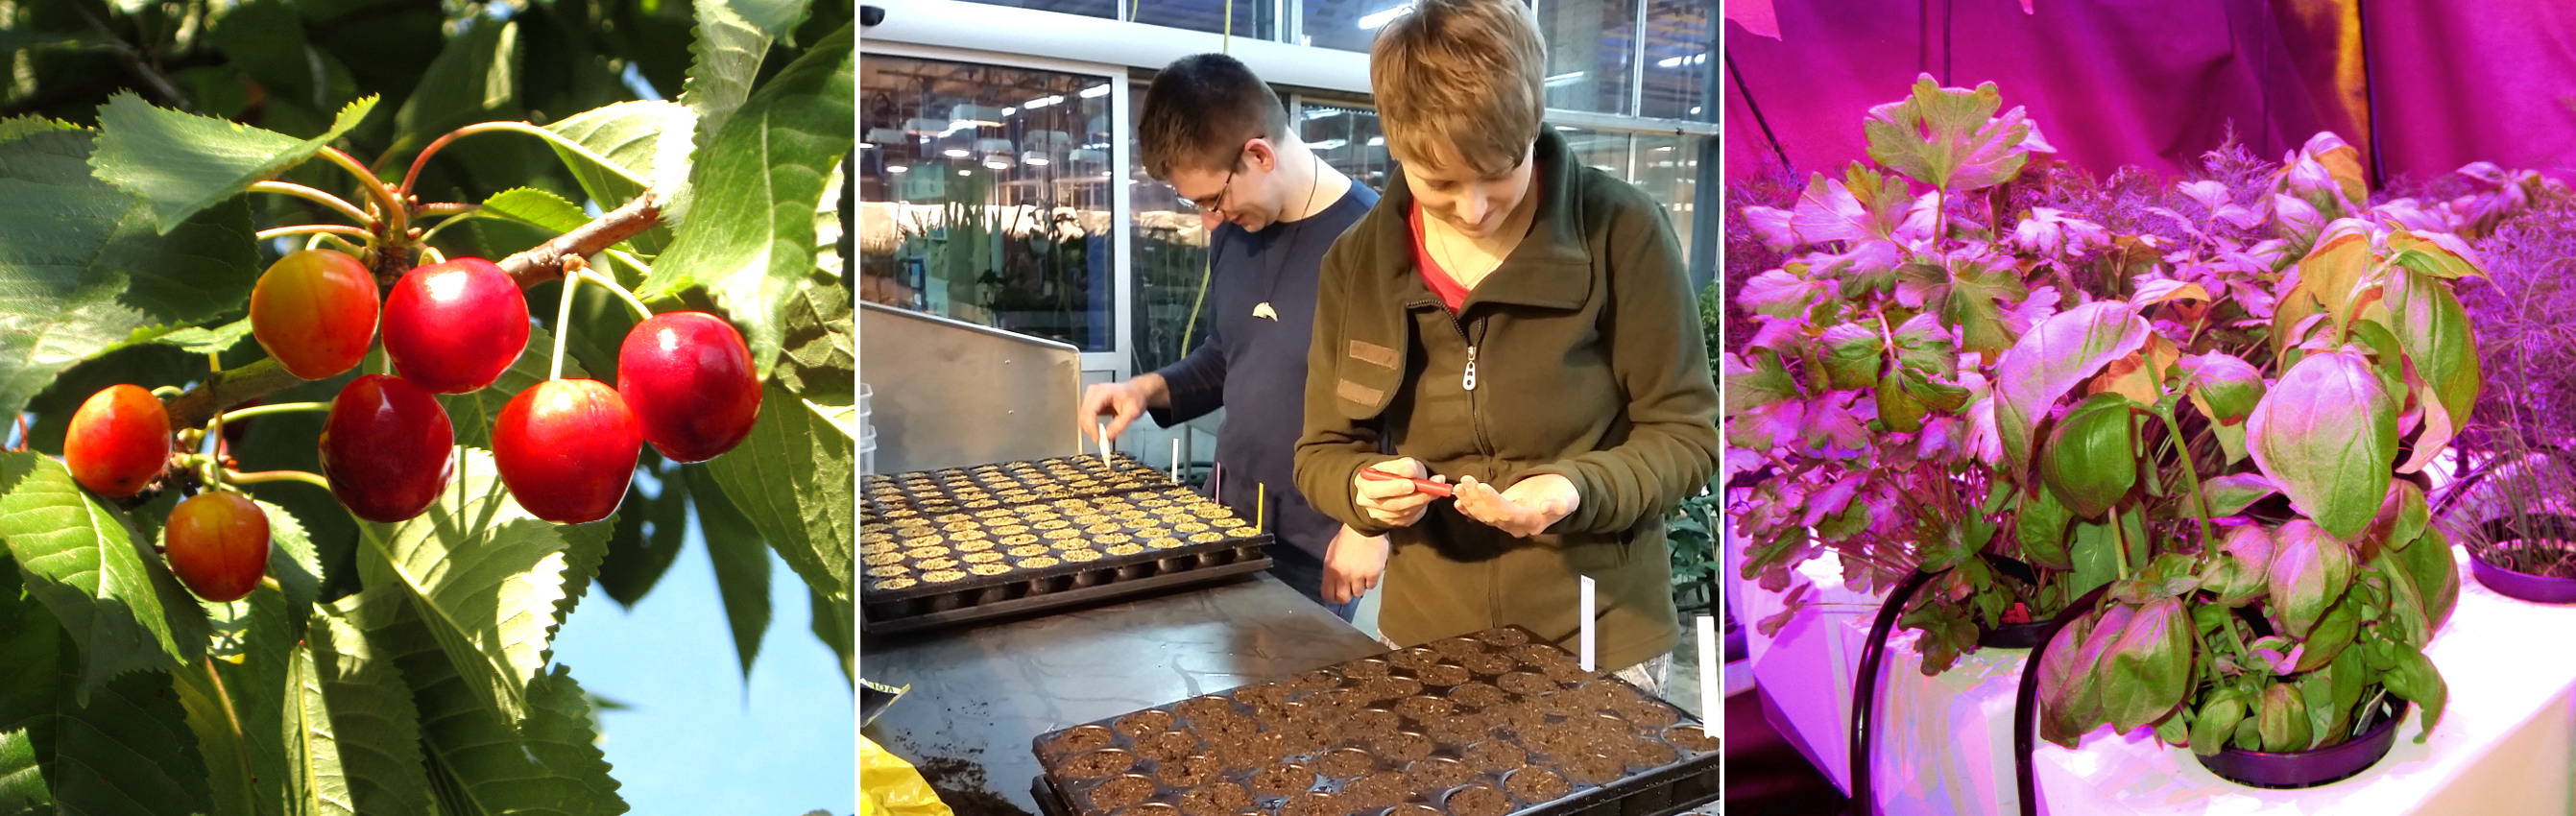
(948,393)
(979,696)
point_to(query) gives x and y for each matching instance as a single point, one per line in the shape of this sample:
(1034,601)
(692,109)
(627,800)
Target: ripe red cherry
(386,448)
(217,543)
(315,311)
(454,327)
(567,449)
(688,377)
(119,441)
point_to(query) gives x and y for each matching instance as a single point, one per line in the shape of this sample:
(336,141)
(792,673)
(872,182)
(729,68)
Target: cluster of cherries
(566,448)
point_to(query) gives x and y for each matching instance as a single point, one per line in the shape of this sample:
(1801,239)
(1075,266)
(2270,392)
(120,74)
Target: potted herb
(2515,505)
(2203,425)
(1848,408)
(2265,635)
(2517,516)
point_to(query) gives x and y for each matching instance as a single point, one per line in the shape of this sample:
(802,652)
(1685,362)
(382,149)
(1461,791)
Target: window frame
(1122,306)
(932,29)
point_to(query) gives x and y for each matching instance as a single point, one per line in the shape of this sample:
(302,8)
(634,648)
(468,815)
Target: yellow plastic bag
(888,786)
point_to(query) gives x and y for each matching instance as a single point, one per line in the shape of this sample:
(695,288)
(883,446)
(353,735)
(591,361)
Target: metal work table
(980,695)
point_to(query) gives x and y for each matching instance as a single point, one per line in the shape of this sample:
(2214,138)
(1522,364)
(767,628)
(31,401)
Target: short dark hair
(1200,110)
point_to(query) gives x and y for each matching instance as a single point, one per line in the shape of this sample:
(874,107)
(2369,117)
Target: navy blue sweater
(1255,367)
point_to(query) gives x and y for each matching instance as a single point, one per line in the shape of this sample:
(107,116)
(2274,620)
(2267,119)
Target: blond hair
(1466,73)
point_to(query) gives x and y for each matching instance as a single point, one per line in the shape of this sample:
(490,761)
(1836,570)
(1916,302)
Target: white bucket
(867,450)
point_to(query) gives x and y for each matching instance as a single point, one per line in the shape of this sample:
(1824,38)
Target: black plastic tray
(1399,707)
(917,603)
(937,611)
(1184,555)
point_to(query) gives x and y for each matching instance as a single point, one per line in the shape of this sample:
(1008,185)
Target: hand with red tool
(1394,492)
(1435,488)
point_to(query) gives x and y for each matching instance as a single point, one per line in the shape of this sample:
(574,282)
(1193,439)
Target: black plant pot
(2012,635)
(2313,767)
(2526,532)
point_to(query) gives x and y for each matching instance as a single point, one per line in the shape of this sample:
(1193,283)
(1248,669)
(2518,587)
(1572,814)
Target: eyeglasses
(1211,203)
(1215,202)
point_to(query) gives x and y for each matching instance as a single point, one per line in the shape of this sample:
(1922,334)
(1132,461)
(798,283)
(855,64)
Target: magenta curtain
(2155,84)
(2474,80)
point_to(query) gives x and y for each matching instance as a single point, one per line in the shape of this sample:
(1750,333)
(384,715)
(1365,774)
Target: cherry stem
(302,229)
(339,243)
(231,716)
(277,408)
(641,311)
(326,199)
(629,258)
(396,216)
(215,431)
(443,225)
(445,209)
(258,476)
(557,139)
(563,315)
(167,392)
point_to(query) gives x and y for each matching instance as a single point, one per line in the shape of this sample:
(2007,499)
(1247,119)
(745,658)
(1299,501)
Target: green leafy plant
(1848,406)
(2512,503)
(965,247)
(1169,270)
(2209,426)
(1693,526)
(1692,531)
(1041,287)
(398,661)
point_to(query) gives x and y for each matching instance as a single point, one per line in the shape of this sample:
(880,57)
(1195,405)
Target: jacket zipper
(1494,593)
(1475,414)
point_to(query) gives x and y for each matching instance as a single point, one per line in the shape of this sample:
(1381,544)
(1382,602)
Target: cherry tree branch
(229,388)
(544,262)
(539,264)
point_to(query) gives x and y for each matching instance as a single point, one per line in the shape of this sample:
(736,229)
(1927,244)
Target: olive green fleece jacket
(1588,362)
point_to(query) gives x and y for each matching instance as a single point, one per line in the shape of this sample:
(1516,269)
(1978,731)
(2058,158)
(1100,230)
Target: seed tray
(933,492)
(1170,530)
(1012,599)
(987,557)
(1488,724)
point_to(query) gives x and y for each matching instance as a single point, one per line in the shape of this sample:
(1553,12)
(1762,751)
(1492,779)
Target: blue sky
(691,741)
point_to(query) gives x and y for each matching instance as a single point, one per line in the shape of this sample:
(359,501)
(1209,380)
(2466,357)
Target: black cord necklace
(1279,266)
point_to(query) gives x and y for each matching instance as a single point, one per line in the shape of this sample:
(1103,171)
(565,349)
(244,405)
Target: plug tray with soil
(953,546)
(1488,724)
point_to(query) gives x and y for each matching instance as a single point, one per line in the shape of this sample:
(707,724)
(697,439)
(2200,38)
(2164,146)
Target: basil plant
(2212,404)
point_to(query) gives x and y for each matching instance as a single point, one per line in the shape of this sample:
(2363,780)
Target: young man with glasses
(1221,138)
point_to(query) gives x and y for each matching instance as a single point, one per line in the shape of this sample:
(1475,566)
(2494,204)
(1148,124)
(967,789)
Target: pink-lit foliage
(2209,398)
